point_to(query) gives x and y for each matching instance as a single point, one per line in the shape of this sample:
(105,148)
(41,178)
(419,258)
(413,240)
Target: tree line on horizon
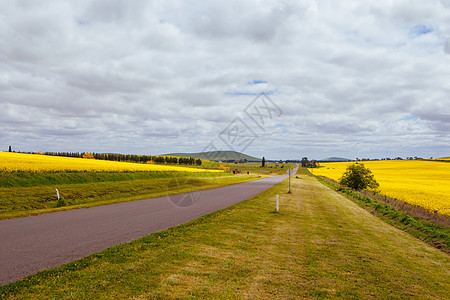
(306,163)
(131,158)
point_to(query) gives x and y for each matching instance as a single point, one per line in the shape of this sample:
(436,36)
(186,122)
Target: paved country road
(31,244)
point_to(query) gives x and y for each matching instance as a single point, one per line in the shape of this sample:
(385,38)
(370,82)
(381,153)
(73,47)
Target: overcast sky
(341,78)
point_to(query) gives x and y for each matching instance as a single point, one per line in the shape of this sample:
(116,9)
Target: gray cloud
(447,45)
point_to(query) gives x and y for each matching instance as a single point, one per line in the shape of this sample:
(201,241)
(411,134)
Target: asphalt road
(31,244)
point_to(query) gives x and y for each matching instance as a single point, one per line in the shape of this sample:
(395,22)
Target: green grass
(24,179)
(255,168)
(26,193)
(320,245)
(434,234)
(445,159)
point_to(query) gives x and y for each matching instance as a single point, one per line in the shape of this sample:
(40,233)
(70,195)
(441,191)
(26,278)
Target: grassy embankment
(414,196)
(30,193)
(433,229)
(320,245)
(256,168)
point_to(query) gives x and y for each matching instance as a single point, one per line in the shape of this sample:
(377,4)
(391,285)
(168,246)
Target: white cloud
(353,79)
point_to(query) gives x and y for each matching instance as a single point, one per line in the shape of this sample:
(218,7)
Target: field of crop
(421,183)
(12,162)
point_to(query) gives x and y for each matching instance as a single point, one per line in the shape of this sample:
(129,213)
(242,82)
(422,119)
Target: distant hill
(217,155)
(334,159)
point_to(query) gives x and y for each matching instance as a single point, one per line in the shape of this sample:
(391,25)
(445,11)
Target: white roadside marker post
(57,193)
(278,204)
(289,180)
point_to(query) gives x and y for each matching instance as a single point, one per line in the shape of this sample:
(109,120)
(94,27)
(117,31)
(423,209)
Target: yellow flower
(10,161)
(421,183)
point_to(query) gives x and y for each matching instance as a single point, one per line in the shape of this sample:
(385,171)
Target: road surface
(31,244)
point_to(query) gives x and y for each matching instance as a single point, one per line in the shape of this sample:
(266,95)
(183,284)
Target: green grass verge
(86,189)
(320,245)
(255,168)
(24,179)
(433,234)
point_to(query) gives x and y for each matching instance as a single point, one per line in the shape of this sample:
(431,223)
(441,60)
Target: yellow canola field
(10,161)
(421,183)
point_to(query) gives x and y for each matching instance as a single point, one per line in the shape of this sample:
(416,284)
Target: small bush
(358,177)
(61,202)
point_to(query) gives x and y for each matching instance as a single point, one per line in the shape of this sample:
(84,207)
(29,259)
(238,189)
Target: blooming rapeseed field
(10,162)
(421,183)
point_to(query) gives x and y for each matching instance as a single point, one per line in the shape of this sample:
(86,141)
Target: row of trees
(388,158)
(131,158)
(309,163)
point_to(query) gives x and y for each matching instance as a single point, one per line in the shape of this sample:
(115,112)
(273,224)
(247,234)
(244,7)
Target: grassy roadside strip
(32,200)
(256,168)
(435,235)
(26,179)
(320,245)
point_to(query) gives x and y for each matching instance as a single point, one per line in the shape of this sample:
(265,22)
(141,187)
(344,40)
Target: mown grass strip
(320,245)
(435,235)
(26,179)
(256,168)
